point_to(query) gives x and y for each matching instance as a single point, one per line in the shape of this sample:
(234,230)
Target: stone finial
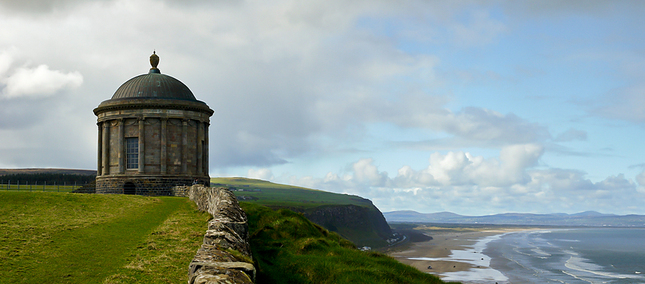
(154,61)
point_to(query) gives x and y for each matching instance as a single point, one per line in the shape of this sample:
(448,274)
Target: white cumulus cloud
(39,82)
(467,184)
(264,174)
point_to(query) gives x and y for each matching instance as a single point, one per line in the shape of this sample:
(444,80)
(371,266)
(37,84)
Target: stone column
(106,148)
(99,163)
(164,144)
(142,135)
(206,148)
(200,150)
(121,148)
(184,146)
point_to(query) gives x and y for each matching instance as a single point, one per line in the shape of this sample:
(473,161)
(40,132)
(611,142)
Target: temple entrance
(129,188)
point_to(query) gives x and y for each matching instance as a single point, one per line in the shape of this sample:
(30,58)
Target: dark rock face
(225,255)
(362,225)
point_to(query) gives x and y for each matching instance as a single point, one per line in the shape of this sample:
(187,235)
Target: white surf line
(472,255)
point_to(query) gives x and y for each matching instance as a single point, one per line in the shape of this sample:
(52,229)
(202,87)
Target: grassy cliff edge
(288,248)
(353,217)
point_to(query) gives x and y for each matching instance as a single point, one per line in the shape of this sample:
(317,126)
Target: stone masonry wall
(225,255)
(144,185)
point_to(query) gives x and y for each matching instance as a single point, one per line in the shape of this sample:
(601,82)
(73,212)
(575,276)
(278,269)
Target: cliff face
(363,225)
(353,217)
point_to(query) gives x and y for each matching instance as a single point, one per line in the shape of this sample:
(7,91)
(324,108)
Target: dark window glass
(132,152)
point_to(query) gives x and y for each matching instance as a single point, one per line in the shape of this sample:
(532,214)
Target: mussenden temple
(153,135)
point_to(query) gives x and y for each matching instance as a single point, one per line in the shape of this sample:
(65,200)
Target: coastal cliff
(353,217)
(365,226)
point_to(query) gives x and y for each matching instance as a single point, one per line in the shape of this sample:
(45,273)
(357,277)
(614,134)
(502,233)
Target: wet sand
(444,242)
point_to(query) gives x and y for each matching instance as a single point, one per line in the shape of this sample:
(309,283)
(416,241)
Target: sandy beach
(452,252)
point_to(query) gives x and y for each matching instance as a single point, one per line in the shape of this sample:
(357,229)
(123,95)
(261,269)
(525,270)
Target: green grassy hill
(353,217)
(280,195)
(50,237)
(288,248)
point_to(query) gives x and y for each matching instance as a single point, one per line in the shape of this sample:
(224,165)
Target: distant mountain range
(588,218)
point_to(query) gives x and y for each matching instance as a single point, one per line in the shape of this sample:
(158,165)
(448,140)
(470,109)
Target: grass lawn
(93,238)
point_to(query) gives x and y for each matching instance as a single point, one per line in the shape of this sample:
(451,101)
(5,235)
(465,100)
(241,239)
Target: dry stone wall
(225,255)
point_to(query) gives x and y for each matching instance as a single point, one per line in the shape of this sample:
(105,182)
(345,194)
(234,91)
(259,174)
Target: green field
(280,195)
(92,238)
(38,187)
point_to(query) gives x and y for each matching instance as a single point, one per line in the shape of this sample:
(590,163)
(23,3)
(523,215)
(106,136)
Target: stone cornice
(121,104)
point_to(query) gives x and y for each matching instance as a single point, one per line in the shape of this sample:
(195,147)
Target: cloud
(640,179)
(571,135)
(481,30)
(556,11)
(365,172)
(286,79)
(5,62)
(35,82)
(264,174)
(38,6)
(292,79)
(470,127)
(624,104)
(451,169)
(463,183)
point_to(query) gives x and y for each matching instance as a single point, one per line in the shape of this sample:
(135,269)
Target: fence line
(44,186)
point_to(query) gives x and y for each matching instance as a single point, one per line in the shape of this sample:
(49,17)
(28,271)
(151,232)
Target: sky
(472,107)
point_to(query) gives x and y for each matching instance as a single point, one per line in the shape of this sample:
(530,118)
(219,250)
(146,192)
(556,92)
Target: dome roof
(153,91)
(154,85)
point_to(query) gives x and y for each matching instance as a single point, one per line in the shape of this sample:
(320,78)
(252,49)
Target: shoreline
(454,254)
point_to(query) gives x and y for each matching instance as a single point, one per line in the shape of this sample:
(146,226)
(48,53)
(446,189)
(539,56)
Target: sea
(577,255)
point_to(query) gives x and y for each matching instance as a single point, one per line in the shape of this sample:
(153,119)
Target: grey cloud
(623,104)
(561,9)
(41,6)
(472,126)
(571,135)
(487,125)
(282,78)
(615,183)
(21,113)
(637,166)
(568,151)
(456,182)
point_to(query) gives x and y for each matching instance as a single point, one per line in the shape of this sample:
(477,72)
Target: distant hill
(588,218)
(351,216)
(46,171)
(50,176)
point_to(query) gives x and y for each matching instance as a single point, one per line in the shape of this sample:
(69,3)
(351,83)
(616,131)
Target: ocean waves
(570,256)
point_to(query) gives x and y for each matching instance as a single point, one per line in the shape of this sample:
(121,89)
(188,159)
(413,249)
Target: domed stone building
(153,135)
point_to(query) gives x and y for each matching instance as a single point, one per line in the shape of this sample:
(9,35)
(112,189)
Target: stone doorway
(129,188)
